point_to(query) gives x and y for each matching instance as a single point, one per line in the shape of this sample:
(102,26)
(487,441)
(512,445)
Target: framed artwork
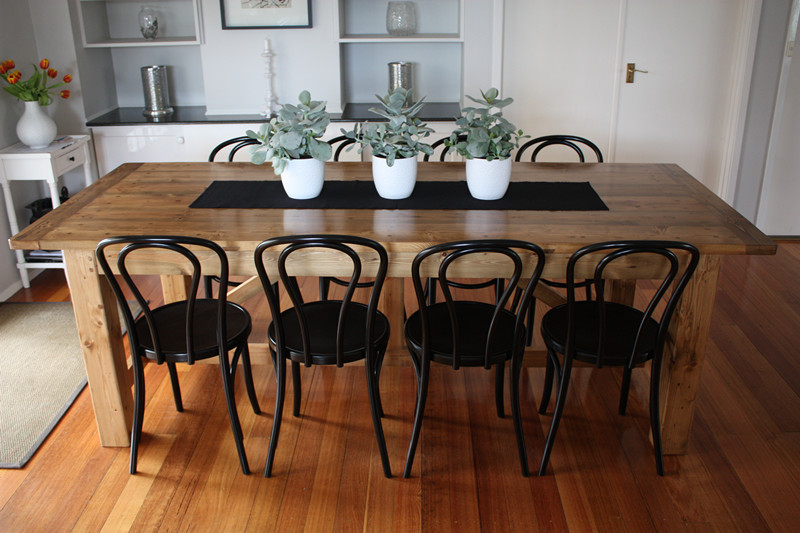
(258,14)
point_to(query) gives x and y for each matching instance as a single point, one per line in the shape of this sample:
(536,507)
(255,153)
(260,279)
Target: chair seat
(170,320)
(324,318)
(622,322)
(474,319)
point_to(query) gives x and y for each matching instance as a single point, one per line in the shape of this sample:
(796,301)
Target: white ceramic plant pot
(488,180)
(35,128)
(303,178)
(397,181)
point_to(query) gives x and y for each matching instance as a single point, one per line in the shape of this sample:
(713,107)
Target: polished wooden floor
(742,472)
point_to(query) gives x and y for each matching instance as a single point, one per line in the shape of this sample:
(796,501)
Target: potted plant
(291,142)
(35,128)
(394,143)
(486,140)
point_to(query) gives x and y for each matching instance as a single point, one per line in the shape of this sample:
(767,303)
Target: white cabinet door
(116,145)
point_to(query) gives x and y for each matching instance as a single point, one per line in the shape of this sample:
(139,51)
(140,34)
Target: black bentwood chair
(460,332)
(436,145)
(612,334)
(182,332)
(325,282)
(577,144)
(236,143)
(570,141)
(325,332)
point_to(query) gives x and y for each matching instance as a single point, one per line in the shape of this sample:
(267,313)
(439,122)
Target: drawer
(72,157)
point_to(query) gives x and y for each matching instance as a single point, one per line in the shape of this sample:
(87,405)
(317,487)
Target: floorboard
(742,471)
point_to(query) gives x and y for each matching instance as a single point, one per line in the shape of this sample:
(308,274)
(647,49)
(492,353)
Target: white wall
(305,58)
(16,42)
(34,29)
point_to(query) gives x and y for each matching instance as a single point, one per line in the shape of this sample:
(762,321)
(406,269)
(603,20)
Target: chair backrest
(175,247)
(439,144)
(343,142)
(347,249)
(676,266)
(237,142)
(571,141)
(516,260)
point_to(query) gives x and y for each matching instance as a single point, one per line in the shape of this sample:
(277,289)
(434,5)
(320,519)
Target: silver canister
(156,91)
(401,74)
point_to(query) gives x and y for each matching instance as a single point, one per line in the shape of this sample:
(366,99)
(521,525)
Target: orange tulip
(67,78)
(44,63)
(52,73)
(12,79)
(9,64)
(2,68)
(65,94)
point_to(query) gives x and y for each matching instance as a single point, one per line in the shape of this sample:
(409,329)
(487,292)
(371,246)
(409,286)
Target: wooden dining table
(645,201)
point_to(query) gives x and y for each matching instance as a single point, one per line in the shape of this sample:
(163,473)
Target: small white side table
(18,162)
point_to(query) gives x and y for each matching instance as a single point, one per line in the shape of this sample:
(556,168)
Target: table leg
(392,305)
(175,288)
(97,318)
(684,354)
(622,291)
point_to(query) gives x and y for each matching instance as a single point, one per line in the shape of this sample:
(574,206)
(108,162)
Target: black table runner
(521,196)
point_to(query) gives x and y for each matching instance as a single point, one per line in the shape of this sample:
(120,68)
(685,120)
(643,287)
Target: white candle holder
(270,100)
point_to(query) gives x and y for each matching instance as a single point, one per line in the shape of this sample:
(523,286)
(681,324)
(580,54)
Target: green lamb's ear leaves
(319,149)
(252,134)
(291,140)
(304,98)
(258,158)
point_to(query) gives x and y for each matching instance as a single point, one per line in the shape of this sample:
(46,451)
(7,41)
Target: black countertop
(133,116)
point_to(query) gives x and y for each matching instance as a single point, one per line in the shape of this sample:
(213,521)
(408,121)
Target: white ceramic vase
(397,181)
(303,178)
(35,127)
(488,180)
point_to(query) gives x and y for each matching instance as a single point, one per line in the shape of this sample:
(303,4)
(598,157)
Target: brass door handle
(629,72)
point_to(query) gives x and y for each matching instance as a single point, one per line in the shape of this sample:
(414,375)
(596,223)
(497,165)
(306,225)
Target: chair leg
(233,415)
(548,383)
(529,322)
(248,379)
(499,378)
(138,410)
(563,385)
(655,415)
(431,291)
(176,387)
(324,285)
(624,392)
(422,394)
(375,408)
(208,287)
(377,373)
(516,370)
(276,419)
(297,394)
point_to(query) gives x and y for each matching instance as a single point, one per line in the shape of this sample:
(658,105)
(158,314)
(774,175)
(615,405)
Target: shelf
(416,38)
(115,23)
(368,18)
(121,43)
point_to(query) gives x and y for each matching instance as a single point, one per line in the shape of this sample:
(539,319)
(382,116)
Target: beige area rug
(41,374)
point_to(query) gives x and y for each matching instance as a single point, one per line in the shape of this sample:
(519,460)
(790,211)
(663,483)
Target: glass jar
(401,18)
(148,22)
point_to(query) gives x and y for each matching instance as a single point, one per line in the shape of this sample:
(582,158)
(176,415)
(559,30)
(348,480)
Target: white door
(680,111)
(564,63)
